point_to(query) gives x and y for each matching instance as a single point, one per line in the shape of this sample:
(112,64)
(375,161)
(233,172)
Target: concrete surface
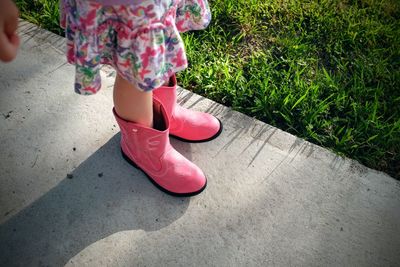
(68,198)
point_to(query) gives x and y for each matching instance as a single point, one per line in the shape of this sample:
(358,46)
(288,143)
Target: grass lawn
(327,70)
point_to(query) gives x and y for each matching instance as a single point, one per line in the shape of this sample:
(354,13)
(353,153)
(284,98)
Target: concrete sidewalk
(68,197)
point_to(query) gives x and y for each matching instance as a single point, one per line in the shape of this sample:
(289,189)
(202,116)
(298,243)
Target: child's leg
(131,104)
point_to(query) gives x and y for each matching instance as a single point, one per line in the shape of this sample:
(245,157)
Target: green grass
(327,71)
(45,13)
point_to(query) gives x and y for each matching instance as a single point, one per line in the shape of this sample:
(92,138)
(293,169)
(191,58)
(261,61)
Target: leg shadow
(102,196)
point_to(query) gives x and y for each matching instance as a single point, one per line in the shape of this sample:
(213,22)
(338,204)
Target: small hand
(9,39)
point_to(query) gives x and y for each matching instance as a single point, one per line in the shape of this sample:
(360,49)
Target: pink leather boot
(187,125)
(149,150)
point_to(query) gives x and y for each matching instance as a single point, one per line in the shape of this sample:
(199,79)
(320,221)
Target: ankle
(147,122)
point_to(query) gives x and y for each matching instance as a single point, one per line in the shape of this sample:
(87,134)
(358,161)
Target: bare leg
(131,104)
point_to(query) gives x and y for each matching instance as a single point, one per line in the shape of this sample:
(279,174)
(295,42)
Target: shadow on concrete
(102,196)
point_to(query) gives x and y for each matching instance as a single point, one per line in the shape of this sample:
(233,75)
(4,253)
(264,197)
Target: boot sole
(157,185)
(203,140)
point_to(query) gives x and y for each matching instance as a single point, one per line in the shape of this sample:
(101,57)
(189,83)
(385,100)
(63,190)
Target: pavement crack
(34,163)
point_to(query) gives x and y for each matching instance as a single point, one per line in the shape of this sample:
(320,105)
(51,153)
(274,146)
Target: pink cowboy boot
(185,124)
(149,150)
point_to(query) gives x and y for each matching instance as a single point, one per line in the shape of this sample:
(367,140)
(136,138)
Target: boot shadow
(182,147)
(102,196)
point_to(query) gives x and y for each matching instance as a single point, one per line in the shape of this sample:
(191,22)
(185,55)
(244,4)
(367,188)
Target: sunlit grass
(327,71)
(45,13)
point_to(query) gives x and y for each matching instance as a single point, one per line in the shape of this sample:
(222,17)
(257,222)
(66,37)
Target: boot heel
(129,160)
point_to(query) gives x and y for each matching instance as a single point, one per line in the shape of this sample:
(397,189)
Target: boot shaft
(167,95)
(139,139)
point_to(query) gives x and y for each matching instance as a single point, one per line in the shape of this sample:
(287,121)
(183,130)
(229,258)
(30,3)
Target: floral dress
(140,39)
